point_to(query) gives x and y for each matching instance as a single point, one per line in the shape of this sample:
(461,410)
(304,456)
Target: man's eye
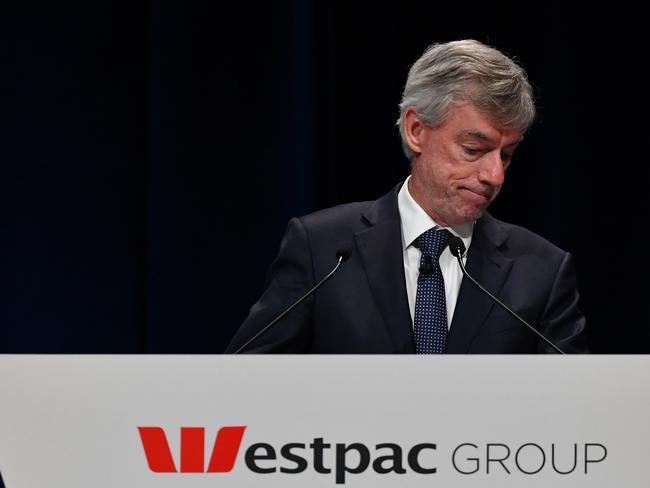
(472,151)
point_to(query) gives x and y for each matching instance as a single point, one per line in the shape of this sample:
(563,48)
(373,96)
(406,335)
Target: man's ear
(413,130)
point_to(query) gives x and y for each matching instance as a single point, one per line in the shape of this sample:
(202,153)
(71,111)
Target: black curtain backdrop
(152,154)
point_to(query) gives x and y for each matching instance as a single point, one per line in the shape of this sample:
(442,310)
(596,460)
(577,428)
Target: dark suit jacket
(364,307)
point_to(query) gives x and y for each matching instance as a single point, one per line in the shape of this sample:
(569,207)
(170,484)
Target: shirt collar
(415,220)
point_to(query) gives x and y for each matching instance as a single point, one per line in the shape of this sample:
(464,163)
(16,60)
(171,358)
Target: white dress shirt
(415,221)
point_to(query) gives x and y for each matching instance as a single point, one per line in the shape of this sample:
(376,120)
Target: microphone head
(344,251)
(456,246)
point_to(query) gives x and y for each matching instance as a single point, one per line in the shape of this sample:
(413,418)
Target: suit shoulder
(336,218)
(328,228)
(521,239)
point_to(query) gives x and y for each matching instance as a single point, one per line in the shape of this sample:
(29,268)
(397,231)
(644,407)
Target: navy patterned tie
(430,321)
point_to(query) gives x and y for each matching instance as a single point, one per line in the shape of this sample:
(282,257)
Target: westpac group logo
(192,452)
(341,460)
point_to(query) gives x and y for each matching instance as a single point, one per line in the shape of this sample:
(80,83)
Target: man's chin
(460,215)
(469,215)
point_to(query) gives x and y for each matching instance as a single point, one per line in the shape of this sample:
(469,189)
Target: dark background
(152,153)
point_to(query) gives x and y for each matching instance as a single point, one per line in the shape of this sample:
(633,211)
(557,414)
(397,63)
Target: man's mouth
(478,194)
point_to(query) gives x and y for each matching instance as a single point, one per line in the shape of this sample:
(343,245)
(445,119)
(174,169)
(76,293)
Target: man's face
(460,165)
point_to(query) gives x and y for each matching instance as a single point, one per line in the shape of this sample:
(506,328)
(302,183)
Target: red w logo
(222,460)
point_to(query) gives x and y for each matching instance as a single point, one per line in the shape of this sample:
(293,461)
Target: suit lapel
(380,246)
(488,266)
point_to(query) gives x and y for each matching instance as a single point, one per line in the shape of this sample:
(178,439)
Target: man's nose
(492,170)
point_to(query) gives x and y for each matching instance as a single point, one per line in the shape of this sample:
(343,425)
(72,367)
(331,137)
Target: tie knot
(433,242)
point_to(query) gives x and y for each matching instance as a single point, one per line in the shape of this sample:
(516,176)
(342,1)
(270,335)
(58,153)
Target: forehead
(467,122)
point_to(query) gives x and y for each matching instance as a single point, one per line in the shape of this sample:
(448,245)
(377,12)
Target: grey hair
(471,71)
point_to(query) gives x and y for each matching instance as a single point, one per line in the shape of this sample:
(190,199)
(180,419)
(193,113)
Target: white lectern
(324,421)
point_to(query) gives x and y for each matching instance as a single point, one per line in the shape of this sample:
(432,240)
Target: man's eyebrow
(486,138)
(478,135)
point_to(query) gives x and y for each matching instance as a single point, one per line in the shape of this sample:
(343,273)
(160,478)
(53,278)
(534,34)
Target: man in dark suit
(464,110)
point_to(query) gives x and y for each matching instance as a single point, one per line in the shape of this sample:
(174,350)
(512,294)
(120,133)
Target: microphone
(457,248)
(343,252)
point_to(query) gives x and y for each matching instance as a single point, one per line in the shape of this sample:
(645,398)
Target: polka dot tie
(430,303)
